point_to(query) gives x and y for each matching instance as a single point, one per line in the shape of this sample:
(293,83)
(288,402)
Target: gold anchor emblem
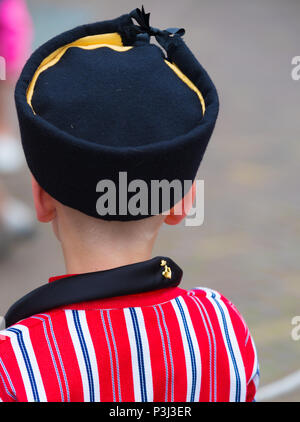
(167,273)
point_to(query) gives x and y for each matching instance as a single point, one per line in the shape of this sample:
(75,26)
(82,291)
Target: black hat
(100,100)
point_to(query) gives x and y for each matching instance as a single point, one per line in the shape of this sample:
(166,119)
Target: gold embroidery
(167,272)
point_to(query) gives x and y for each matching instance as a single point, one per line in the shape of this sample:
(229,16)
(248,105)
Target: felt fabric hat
(101,99)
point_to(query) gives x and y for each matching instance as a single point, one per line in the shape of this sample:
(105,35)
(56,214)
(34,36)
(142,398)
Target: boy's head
(81,235)
(113,127)
(68,222)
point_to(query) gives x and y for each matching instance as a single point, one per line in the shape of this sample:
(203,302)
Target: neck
(83,260)
(106,250)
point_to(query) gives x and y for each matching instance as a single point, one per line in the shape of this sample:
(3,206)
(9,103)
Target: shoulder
(228,327)
(33,325)
(27,333)
(10,333)
(220,311)
(22,346)
(213,296)
(227,321)
(13,337)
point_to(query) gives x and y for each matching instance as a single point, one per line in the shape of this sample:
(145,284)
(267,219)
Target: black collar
(156,273)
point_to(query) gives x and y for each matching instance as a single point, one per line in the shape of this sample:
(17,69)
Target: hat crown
(120,98)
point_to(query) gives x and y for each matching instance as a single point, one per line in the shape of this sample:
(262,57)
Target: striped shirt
(167,345)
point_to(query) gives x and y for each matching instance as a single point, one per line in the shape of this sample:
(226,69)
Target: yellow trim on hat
(91,42)
(189,83)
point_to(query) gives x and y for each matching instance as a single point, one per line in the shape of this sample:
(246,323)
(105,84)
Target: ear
(44,204)
(182,208)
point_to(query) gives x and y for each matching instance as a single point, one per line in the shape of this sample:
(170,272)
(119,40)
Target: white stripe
(33,361)
(234,344)
(212,346)
(236,350)
(21,363)
(91,353)
(188,362)
(79,355)
(146,354)
(195,346)
(232,375)
(134,357)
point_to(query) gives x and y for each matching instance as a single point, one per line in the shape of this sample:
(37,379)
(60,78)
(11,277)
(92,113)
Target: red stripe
(206,353)
(124,354)
(114,358)
(43,356)
(180,374)
(158,365)
(223,371)
(168,353)
(68,355)
(4,382)
(57,355)
(249,358)
(97,333)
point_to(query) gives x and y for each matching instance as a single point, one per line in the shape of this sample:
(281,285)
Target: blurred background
(248,247)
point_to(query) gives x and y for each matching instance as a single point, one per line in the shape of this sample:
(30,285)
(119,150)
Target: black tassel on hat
(163,37)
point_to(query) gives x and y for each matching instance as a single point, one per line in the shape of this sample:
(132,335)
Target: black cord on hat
(164,37)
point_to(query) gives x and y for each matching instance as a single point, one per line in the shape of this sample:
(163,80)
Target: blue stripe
(52,356)
(170,352)
(59,356)
(191,348)
(6,389)
(13,394)
(110,356)
(85,354)
(164,353)
(140,354)
(210,348)
(116,354)
(237,375)
(215,348)
(27,362)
